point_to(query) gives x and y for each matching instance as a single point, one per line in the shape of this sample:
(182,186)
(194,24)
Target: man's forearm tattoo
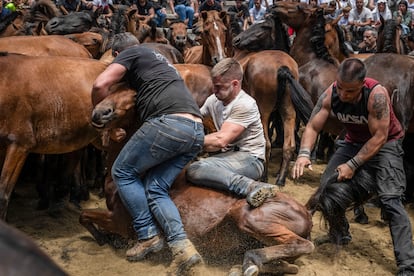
(318,105)
(380,106)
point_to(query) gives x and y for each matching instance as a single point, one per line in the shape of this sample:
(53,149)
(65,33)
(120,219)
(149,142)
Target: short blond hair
(228,68)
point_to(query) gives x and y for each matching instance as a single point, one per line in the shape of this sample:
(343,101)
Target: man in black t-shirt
(242,14)
(210,5)
(170,136)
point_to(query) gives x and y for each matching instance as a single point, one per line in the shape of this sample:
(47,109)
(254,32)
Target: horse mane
(118,20)
(341,37)
(8,20)
(334,198)
(42,10)
(389,32)
(318,38)
(280,34)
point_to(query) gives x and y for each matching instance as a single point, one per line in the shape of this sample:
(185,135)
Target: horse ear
(204,15)
(131,12)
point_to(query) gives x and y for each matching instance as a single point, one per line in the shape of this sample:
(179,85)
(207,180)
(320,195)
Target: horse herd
(45,96)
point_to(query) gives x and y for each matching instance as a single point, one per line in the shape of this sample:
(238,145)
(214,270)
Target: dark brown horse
(20,255)
(281,224)
(395,72)
(390,38)
(29,21)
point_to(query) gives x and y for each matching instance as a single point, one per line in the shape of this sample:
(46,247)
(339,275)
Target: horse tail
(301,99)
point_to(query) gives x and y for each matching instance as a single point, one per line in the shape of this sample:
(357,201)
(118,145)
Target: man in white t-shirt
(238,144)
(360,18)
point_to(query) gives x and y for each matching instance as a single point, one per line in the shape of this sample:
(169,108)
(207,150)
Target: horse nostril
(107,112)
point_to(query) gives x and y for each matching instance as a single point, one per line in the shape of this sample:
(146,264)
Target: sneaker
(143,248)
(260,193)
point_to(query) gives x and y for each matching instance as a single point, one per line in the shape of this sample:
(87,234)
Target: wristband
(354,163)
(304,153)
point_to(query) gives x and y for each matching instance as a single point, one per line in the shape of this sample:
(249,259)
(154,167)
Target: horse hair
(389,32)
(334,198)
(300,97)
(8,20)
(341,37)
(318,38)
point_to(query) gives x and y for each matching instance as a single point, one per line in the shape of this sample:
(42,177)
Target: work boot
(143,247)
(259,193)
(185,256)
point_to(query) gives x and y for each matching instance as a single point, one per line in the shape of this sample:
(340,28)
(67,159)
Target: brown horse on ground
(50,45)
(281,224)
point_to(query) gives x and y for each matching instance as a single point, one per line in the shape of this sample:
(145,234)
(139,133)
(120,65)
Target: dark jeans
(391,182)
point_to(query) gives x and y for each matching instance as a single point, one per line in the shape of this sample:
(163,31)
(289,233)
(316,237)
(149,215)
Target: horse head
(177,35)
(113,107)
(76,22)
(293,14)
(213,35)
(267,35)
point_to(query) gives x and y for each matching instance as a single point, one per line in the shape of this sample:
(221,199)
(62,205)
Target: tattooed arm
(318,119)
(378,123)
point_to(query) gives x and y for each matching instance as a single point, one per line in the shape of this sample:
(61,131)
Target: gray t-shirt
(242,110)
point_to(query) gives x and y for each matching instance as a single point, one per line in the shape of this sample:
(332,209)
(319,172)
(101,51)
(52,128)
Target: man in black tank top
(171,135)
(372,143)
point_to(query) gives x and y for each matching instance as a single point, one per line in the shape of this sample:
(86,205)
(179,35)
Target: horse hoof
(252,270)
(236,270)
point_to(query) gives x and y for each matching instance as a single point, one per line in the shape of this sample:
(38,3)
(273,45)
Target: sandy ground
(74,249)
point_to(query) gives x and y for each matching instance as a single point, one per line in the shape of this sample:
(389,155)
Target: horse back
(51,45)
(47,99)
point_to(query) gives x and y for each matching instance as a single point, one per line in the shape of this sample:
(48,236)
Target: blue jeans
(229,171)
(185,12)
(147,166)
(160,18)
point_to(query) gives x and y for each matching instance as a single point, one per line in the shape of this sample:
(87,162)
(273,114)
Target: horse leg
(265,123)
(12,166)
(289,246)
(288,115)
(90,218)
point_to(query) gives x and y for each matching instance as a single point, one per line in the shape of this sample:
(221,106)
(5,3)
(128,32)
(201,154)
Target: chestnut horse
(93,42)
(281,224)
(49,113)
(178,37)
(50,45)
(213,30)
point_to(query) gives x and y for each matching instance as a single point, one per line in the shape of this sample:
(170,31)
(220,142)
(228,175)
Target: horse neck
(301,49)
(206,55)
